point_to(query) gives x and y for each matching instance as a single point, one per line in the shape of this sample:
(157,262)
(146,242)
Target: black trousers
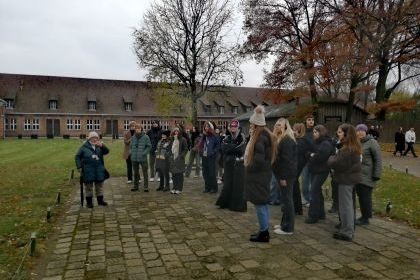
(163,176)
(410,147)
(297,196)
(316,207)
(129,168)
(136,166)
(288,219)
(365,200)
(209,173)
(178,179)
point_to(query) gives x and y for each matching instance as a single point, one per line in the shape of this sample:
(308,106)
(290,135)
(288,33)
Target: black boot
(263,236)
(159,189)
(101,200)
(89,203)
(166,189)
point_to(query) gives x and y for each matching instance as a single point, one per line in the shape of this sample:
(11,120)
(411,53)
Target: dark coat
(258,173)
(399,141)
(211,142)
(92,162)
(347,167)
(304,147)
(322,149)
(285,166)
(155,134)
(140,147)
(162,155)
(177,165)
(233,177)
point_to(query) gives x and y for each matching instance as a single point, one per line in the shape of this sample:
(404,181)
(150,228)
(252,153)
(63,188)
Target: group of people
(401,138)
(275,160)
(263,168)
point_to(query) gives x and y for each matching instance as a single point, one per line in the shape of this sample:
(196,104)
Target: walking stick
(81,189)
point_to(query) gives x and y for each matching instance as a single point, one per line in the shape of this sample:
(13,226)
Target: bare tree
(189,40)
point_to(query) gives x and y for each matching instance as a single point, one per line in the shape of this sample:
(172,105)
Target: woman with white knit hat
(259,156)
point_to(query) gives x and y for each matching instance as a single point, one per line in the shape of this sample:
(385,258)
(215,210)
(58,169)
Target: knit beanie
(258,117)
(361,127)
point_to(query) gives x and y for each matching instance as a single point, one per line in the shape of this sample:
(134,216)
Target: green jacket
(371,161)
(140,147)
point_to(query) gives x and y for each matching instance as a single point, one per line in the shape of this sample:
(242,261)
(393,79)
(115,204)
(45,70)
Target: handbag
(106,174)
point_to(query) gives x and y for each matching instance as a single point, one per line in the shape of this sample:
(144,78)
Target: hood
(367,138)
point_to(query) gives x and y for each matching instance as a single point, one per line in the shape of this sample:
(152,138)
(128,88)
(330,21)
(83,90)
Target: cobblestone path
(158,235)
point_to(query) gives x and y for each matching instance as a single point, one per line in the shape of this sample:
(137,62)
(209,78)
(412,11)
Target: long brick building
(56,106)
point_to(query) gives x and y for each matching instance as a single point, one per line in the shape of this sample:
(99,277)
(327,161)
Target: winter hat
(93,134)
(258,117)
(361,127)
(234,123)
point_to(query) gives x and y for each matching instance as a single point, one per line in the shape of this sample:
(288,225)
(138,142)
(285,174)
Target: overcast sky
(78,38)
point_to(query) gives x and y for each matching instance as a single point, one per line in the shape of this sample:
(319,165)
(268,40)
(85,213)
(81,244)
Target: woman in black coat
(399,141)
(233,147)
(322,150)
(285,169)
(258,158)
(303,150)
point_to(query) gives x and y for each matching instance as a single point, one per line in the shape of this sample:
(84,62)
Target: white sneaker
(219,181)
(170,181)
(195,176)
(277,226)
(178,192)
(152,179)
(158,179)
(129,182)
(172,191)
(279,231)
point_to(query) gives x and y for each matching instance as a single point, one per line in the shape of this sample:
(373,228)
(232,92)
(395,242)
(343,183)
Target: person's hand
(99,144)
(283,183)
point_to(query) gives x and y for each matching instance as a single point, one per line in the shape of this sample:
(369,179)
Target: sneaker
(178,192)
(281,232)
(129,182)
(146,190)
(135,189)
(152,179)
(172,191)
(158,179)
(170,181)
(219,181)
(361,222)
(341,236)
(277,226)
(195,176)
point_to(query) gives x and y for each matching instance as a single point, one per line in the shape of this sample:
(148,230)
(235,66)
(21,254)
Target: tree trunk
(381,88)
(354,82)
(194,99)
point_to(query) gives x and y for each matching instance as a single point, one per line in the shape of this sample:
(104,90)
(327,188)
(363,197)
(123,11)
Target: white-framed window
(126,122)
(35,124)
(53,104)
(221,110)
(92,105)
(235,109)
(128,106)
(10,103)
(27,124)
(31,124)
(93,125)
(69,124)
(73,124)
(76,125)
(10,124)
(146,124)
(164,125)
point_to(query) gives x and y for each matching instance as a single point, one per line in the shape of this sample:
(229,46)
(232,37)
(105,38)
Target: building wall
(166,123)
(2,116)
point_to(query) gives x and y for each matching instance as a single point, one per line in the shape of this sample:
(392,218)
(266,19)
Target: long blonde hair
(254,135)
(287,132)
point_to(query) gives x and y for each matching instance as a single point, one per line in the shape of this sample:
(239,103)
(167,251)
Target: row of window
(75,124)
(128,106)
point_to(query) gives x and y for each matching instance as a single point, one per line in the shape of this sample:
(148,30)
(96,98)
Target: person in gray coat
(371,172)
(139,149)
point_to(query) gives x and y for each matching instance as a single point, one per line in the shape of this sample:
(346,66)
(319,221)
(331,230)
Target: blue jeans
(306,184)
(275,196)
(263,216)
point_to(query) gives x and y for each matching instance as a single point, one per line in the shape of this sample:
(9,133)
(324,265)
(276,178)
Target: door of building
(53,127)
(112,128)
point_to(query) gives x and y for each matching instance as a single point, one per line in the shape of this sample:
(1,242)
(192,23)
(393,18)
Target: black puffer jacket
(285,166)
(303,150)
(258,173)
(154,135)
(323,148)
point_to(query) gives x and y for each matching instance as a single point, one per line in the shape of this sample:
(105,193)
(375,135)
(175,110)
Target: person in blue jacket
(90,163)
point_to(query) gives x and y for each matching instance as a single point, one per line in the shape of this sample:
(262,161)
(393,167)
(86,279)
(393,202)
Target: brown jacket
(347,167)
(127,140)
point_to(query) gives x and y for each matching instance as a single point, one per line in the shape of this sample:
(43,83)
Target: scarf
(175,147)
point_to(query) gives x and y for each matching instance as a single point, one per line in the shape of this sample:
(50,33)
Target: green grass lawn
(31,174)
(33,171)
